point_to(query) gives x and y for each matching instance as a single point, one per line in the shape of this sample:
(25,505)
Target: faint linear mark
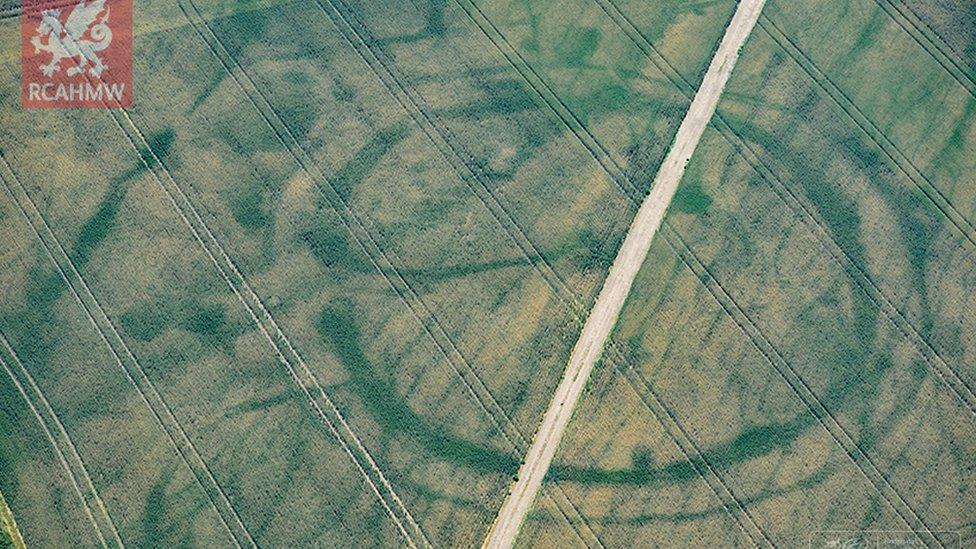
(870,129)
(960,74)
(796,382)
(167,414)
(62,434)
(617,22)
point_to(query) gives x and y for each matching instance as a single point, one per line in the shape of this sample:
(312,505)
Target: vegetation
(812,306)
(10,537)
(317,286)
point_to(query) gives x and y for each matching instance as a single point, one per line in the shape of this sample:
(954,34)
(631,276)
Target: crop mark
(685,90)
(858,275)
(614,176)
(812,218)
(161,418)
(261,327)
(741,145)
(789,375)
(644,391)
(957,384)
(617,175)
(473,167)
(862,278)
(566,294)
(646,47)
(445,142)
(572,303)
(554,102)
(479,77)
(62,435)
(302,386)
(409,290)
(959,75)
(921,181)
(437,329)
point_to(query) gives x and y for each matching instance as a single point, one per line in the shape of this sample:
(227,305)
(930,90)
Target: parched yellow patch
(590,194)
(533,307)
(525,321)
(9,525)
(587,198)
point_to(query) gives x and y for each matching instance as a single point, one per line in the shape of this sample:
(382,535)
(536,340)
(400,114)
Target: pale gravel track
(615,289)
(8,524)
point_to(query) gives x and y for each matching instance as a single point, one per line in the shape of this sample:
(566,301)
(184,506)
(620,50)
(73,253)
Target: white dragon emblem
(69,40)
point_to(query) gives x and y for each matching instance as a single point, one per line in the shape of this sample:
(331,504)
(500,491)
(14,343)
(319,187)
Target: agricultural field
(318,284)
(305,339)
(952,22)
(815,276)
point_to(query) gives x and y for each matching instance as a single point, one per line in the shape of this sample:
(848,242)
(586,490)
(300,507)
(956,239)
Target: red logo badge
(76,53)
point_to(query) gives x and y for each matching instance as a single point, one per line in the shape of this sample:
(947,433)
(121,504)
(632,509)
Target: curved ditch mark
(835,243)
(808,483)
(613,174)
(852,266)
(434,331)
(342,207)
(351,225)
(894,154)
(196,232)
(338,325)
(837,253)
(918,237)
(303,385)
(798,385)
(89,497)
(139,380)
(947,373)
(895,315)
(755,442)
(346,27)
(697,462)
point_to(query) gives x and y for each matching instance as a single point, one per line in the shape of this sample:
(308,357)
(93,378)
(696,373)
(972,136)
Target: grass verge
(10,537)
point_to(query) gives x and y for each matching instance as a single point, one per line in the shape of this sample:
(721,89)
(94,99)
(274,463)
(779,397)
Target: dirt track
(629,259)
